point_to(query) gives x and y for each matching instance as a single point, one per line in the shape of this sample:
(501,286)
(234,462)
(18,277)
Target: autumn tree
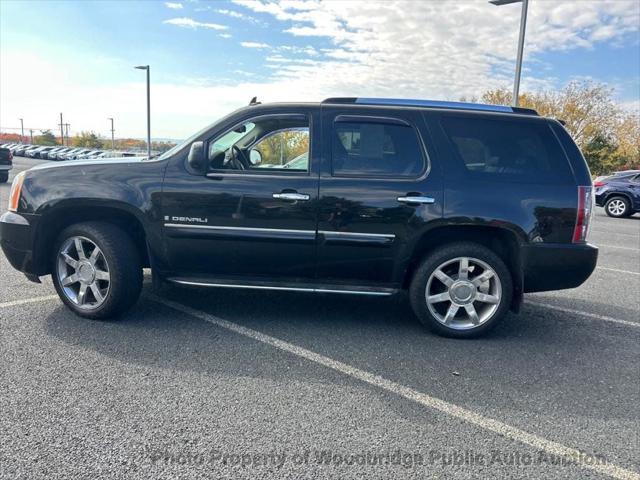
(87,140)
(608,136)
(46,138)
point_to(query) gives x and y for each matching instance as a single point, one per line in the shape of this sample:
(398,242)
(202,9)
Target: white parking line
(28,300)
(628,323)
(618,270)
(616,246)
(447,408)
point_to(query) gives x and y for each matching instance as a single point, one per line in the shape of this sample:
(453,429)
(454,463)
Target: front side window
(376,149)
(263,144)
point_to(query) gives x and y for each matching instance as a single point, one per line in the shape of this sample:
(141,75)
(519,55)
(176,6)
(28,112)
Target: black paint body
(352,232)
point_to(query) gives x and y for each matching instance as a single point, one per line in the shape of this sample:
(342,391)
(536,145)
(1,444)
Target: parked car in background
(465,207)
(76,154)
(57,155)
(619,193)
(46,155)
(90,154)
(19,152)
(6,164)
(37,152)
(69,153)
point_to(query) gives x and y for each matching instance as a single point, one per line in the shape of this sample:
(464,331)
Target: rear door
(378,190)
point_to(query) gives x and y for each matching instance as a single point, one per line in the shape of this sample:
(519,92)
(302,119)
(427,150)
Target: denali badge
(187,219)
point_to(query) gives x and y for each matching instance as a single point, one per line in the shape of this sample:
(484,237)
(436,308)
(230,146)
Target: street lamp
(22,130)
(113,142)
(523,24)
(146,67)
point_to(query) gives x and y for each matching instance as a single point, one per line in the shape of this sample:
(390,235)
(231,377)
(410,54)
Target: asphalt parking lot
(237,384)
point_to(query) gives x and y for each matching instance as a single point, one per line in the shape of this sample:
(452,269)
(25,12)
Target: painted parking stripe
(620,248)
(486,423)
(605,318)
(618,270)
(28,300)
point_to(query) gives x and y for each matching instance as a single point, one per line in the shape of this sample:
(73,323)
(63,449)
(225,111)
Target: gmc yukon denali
(465,207)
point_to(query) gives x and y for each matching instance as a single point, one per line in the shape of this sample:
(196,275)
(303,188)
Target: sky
(208,58)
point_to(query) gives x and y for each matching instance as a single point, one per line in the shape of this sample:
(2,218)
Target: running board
(264,286)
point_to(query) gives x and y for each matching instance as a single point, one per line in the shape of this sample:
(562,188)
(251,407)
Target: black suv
(464,206)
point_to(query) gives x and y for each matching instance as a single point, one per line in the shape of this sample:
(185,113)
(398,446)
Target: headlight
(16,189)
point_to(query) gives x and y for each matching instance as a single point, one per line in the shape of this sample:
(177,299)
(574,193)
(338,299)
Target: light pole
(146,67)
(523,25)
(22,130)
(113,142)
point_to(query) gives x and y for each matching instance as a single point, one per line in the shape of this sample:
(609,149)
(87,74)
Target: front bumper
(17,240)
(557,266)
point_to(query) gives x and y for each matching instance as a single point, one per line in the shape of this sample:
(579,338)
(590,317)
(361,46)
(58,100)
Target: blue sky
(209,57)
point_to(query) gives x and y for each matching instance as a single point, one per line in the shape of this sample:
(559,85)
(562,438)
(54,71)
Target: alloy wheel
(616,207)
(83,272)
(463,293)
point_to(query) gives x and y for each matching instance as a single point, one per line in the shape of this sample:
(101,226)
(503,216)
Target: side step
(314,288)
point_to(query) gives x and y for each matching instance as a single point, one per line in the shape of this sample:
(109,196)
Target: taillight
(598,184)
(16,189)
(583,217)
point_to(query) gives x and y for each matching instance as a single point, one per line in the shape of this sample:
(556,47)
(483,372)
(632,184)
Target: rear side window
(376,149)
(507,150)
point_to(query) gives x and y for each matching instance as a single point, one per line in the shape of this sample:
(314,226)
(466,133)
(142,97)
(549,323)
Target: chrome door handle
(291,196)
(416,199)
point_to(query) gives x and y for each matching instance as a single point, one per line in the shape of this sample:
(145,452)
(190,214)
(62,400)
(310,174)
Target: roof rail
(406,102)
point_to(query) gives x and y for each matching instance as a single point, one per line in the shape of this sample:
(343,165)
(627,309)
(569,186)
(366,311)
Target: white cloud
(439,50)
(173,5)
(191,23)
(238,15)
(254,45)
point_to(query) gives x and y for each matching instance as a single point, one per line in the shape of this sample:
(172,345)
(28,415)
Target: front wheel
(97,270)
(617,207)
(461,290)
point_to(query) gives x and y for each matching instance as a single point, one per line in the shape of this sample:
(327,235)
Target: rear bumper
(5,168)
(17,240)
(557,266)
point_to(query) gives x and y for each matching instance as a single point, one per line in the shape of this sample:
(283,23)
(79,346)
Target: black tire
(473,251)
(124,265)
(4,176)
(618,207)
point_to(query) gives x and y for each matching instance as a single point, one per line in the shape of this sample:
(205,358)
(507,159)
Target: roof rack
(406,102)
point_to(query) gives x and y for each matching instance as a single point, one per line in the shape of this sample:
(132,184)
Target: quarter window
(518,150)
(376,149)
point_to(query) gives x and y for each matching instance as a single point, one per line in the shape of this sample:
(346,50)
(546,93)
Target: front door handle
(291,196)
(416,199)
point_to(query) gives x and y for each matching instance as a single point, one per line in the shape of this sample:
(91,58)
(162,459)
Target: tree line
(607,134)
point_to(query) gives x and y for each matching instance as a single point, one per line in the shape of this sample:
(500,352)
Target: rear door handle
(416,199)
(291,196)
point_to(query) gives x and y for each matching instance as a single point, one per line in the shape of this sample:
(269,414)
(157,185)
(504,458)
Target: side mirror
(196,159)
(255,157)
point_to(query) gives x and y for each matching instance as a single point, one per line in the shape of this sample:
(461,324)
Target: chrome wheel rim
(83,273)
(616,207)
(463,293)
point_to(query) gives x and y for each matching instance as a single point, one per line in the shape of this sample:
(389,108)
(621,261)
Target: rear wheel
(617,207)
(461,290)
(4,176)
(97,270)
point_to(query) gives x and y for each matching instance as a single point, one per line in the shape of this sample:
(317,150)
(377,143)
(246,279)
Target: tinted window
(376,149)
(508,149)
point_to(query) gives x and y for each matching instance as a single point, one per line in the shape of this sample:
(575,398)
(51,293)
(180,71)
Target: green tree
(47,138)
(87,140)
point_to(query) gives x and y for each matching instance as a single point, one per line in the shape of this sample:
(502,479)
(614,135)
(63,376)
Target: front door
(253,216)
